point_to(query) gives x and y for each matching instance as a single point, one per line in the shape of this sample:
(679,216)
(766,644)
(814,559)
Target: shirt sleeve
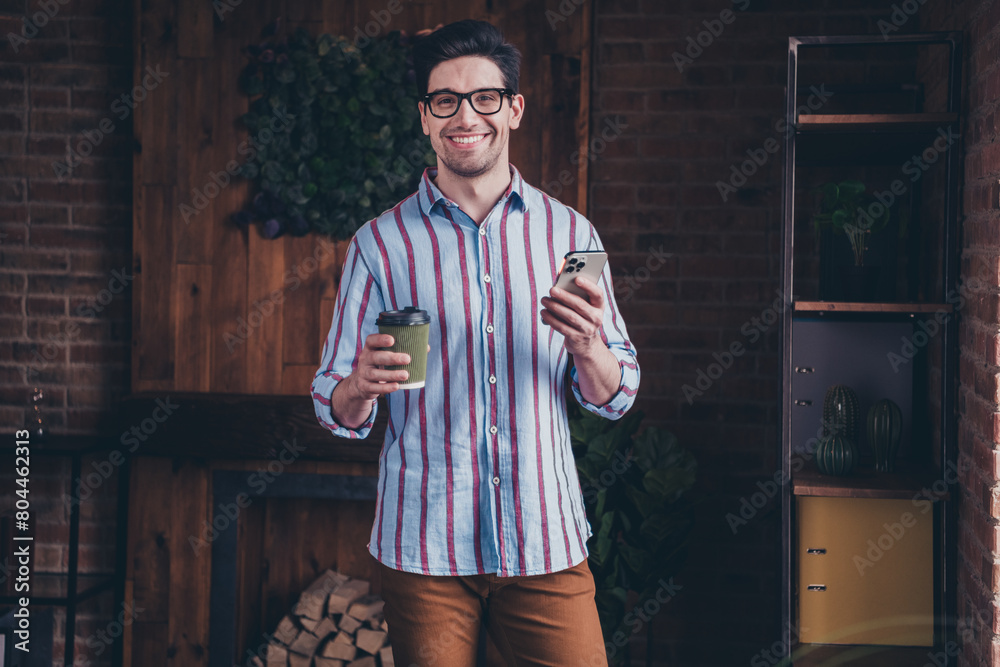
(359,302)
(615,336)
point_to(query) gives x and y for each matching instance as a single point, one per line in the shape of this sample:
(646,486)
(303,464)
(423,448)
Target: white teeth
(467,140)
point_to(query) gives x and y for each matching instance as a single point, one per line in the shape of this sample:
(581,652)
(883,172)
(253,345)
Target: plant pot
(836,455)
(860,282)
(885,425)
(842,412)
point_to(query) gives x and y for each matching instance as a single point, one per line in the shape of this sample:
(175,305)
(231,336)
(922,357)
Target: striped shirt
(476,473)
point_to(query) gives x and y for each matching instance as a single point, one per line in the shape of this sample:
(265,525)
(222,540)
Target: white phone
(589,263)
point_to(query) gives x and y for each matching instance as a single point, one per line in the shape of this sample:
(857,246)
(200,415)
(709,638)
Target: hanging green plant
(337,136)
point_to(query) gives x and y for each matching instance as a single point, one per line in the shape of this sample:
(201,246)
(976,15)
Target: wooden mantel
(238,427)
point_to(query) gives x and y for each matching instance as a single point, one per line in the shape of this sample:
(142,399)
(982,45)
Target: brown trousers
(547,619)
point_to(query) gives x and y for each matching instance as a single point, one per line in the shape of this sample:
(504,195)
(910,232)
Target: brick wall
(979,381)
(65,239)
(655,186)
(64,312)
(66,231)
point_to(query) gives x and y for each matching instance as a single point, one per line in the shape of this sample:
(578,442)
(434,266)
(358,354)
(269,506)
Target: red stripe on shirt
(470,365)
(553,380)
(534,392)
(446,387)
(421,404)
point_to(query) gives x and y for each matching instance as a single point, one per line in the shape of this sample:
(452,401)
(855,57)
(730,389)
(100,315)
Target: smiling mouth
(468,141)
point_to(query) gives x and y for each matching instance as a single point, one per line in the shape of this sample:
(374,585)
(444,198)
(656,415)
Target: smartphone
(589,263)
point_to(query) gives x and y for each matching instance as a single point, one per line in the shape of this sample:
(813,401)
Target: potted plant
(848,208)
(636,492)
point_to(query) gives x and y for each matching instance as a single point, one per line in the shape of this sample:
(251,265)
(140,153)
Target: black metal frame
(946,517)
(116,580)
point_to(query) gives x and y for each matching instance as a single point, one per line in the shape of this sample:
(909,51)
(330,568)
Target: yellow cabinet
(865,571)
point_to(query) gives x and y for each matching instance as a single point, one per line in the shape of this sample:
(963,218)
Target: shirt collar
(430,196)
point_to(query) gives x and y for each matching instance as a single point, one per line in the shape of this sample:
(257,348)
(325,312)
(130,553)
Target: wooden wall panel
(154,316)
(265,315)
(229,244)
(301,291)
(169,580)
(156,124)
(197,100)
(190,502)
(189,129)
(193,294)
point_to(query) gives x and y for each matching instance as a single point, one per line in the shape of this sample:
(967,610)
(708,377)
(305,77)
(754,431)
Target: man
(480,518)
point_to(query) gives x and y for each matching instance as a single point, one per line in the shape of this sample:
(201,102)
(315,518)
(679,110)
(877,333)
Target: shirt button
(489,328)
(493,379)
(482,231)
(496,481)
(493,429)
(486,277)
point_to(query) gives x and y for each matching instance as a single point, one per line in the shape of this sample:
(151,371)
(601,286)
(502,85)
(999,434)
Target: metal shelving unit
(870,139)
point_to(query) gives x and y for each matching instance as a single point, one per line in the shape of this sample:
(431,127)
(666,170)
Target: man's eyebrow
(448,90)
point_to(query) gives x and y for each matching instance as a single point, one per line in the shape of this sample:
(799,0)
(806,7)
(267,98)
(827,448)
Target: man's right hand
(351,402)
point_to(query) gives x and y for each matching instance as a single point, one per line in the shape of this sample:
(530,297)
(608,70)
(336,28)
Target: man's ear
(423,118)
(516,111)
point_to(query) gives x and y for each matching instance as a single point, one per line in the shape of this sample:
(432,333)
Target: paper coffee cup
(410,329)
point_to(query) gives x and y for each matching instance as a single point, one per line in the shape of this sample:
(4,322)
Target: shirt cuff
(623,399)
(322,388)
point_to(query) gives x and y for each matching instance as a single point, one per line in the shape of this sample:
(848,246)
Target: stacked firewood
(336,623)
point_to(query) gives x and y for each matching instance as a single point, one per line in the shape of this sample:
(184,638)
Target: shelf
(885,122)
(899,144)
(865,307)
(820,655)
(901,484)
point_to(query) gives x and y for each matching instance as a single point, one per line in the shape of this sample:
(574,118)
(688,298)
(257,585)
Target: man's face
(486,136)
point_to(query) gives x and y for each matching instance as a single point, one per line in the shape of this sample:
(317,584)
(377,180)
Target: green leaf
(637,559)
(851,189)
(642,501)
(323,46)
(602,499)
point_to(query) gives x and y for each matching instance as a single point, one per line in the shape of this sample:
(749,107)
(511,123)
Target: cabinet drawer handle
(816,587)
(803,369)
(816,552)
(805,402)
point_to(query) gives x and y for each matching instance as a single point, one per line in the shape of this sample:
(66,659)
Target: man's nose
(465,111)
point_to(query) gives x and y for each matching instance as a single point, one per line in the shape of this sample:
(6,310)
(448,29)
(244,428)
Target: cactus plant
(841,412)
(836,454)
(885,426)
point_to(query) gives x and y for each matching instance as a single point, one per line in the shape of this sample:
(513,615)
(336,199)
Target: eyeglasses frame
(508,92)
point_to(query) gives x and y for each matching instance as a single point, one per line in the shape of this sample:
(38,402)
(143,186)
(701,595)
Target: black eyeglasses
(486,101)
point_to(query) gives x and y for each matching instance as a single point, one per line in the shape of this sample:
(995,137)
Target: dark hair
(466,38)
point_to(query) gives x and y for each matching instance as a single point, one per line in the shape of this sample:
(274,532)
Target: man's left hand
(577,319)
